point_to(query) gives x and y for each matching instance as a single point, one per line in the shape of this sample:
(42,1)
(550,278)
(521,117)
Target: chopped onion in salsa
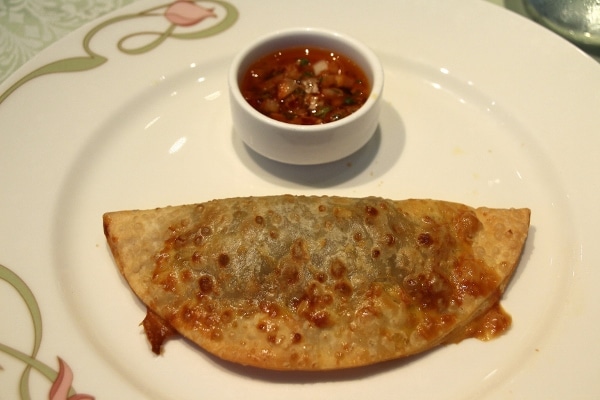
(305,86)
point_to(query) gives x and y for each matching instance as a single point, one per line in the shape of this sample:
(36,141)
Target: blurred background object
(576,20)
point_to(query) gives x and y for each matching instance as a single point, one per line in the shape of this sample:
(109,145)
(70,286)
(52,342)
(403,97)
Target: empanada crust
(317,283)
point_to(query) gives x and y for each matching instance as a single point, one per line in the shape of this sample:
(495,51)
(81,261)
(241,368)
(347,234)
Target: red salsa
(305,86)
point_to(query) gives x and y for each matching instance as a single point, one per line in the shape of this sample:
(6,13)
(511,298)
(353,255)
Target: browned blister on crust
(317,283)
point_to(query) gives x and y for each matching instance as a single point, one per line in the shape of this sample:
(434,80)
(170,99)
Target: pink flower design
(187,13)
(62,385)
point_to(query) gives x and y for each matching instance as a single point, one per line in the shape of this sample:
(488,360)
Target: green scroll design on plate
(30,361)
(179,14)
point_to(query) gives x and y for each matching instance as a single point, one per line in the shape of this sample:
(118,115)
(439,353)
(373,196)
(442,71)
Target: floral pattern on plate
(184,21)
(29,26)
(62,379)
(181,19)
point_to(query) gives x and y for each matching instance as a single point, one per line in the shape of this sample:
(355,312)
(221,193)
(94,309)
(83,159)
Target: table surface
(28,28)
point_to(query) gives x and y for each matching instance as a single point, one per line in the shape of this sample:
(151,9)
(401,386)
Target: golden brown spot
(337,268)
(227,316)
(322,208)
(187,275)
(341,213)
(274,235)
(205,230)
(294,358)
(259,220)
(294,217)
(160,257)
(196,257)
(271,309)
(206,284)
(375,253)
(372,211)
(299,250)
(198,240)
(272,339)
(180,240)
(216,334)
(467,225)
(357,236)
(188,314)
(375,290)
(276,218)
(296,338)
(390,239)
(428,290)
(294,303)
(320,319)
(169,283)
(320,277)
(424,239)
(325,299)
(312,300)
(223,260)
(290,274)
(344,288)
(472,278)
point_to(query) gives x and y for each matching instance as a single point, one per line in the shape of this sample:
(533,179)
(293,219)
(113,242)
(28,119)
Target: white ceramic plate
(481,107)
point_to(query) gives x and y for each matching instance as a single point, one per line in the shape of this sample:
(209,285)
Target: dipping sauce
(305,86)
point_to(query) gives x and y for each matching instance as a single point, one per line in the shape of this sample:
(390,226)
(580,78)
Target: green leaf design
(36,317)
(29,360)
(94,60)
(66,65)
